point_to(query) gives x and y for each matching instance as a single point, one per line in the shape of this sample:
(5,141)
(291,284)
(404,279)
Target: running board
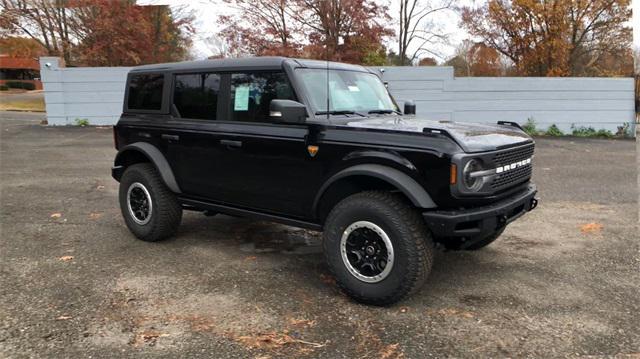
(239,212)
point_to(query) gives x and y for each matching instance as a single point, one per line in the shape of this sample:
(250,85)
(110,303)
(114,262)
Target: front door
(264,165)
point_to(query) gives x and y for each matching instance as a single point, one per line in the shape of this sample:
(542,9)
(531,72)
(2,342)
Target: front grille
(515,176)
(508,157)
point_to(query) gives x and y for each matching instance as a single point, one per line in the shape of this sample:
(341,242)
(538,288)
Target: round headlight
(472,183)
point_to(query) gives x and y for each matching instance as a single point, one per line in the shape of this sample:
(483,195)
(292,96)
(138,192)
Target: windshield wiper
(341,112)
(385,111)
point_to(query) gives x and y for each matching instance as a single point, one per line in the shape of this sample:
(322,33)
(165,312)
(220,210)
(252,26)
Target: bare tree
(418,29)
(46,21)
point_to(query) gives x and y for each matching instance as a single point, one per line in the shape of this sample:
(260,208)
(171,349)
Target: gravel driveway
(562,281)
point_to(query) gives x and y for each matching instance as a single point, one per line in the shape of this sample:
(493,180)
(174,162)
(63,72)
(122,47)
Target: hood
(472,137)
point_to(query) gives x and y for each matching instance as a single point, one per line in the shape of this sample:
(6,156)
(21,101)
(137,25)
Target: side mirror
(409,107)
(287,111)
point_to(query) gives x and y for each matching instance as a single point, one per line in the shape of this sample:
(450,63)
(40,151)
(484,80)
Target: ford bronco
(323,146)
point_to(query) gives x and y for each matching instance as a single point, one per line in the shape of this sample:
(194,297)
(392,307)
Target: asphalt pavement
(561,282)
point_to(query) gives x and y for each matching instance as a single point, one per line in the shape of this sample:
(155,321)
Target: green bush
(553,130)
(530,127)
(4,88)
(581,131)
(20,85)
(604,133)
(82,122)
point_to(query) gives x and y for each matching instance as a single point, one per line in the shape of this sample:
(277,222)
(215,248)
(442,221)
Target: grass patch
(36,105)
(82,122)
(530,127)
(554,131)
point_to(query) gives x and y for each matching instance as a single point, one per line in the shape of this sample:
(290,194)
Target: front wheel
(150,210)
(377,247)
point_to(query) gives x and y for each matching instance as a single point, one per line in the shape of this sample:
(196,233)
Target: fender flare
(403,182)
(156,157)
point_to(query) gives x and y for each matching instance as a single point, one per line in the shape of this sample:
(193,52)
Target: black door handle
(170,137)
(231,143)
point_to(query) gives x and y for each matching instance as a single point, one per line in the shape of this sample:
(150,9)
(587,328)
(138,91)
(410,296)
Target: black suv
(321,146)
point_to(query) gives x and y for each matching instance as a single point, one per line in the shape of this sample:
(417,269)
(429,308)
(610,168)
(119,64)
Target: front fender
(154,156)
(400,180)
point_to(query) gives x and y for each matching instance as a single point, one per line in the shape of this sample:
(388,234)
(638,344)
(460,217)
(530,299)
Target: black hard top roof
(248,63)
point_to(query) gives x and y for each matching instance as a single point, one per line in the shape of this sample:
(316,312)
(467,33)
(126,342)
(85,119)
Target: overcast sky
(207,12)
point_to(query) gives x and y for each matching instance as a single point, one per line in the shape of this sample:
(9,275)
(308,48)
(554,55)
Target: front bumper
(116,172)
(480,222)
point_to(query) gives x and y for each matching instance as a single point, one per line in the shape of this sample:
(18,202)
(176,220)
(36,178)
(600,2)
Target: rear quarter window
(145,92)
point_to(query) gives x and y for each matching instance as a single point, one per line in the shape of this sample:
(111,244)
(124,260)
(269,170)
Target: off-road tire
(412,245)
(486,241)
(166,212)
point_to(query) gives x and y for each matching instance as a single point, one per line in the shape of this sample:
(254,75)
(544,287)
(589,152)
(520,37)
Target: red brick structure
(20,69)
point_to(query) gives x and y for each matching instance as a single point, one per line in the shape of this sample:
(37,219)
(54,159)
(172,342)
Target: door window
(251,94)
(196,95)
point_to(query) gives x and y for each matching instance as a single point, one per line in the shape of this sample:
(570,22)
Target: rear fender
(153,155)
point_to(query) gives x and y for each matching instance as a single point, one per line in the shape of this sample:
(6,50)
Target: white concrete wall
(96,93)
(597,102)
(92,93)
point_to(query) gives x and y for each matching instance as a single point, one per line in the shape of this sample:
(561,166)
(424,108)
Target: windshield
(349,91)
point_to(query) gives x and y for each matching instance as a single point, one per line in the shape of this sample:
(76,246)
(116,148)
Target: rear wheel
(377,247)
(150,210)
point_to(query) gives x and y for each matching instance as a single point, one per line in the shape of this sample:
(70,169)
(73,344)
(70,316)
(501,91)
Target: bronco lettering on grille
(513,166)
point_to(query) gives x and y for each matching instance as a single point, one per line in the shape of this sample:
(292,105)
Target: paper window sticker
(353,88)
(241,101)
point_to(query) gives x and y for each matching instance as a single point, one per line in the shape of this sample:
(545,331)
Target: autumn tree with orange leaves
(100,32)
(556,37)
(120,34)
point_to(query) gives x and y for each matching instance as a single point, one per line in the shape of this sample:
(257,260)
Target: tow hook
(534,204)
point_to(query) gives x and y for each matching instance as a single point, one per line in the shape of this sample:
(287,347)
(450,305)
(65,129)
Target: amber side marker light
(453,179)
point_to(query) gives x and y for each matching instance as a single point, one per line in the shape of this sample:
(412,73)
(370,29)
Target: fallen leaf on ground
(63,317)
(149,337)
(390,351)
(56,215)
(251,258)
(95,215)
(403,309)
(327,279)
(100,187)
(591,227)
(66,258)
(302,322)
(273,340)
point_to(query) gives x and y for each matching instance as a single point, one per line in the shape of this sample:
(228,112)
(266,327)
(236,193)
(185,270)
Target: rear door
(193,143)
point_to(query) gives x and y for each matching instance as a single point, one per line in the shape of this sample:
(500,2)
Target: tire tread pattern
(167,210)
(408,220)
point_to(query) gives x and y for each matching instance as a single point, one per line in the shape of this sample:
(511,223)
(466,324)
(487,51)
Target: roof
(260,63)
(8,62)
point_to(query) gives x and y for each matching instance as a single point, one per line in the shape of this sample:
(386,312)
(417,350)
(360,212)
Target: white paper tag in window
(353,88)
(241,101)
